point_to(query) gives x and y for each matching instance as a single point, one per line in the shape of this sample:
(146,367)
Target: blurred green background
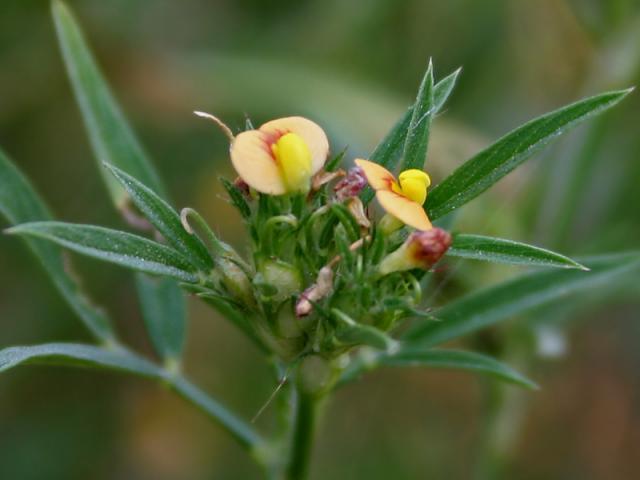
(353,66)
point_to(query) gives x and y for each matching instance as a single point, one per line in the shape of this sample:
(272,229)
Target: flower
(401,199)
(281,156)
(422,250)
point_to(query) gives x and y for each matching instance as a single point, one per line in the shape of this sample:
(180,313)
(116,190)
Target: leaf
(407,356)
(417,141)
(500,250)
(111,137)
(20,203)
(165,219)
(351,332)
(442,90)
(241,319)
(120,359)
(388,151)
(490,305)
(487,167)
(333,164)
(164,311)
(113,246)
(237,198)
(75,354)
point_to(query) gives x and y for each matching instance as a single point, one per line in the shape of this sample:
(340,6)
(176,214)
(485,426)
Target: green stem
(303,436)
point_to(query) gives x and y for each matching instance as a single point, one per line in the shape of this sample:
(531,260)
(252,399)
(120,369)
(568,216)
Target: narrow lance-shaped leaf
(388,151)
(442,90)
(112,139)
(164,311)
(407,356)
(20,203)
(237,199)
(165,219)
(519,295)
(349,331)
(500,250)
(74,354)
(111,136)
(487,167)
(121,248)
(122,360)
(417,141)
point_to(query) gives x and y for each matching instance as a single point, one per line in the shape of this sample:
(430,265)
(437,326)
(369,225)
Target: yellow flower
(281,156)
(401,199)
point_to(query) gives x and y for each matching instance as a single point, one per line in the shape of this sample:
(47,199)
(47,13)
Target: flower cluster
(324,273)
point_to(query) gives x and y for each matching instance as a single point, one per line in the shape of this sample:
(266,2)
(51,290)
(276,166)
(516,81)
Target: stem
(303,436)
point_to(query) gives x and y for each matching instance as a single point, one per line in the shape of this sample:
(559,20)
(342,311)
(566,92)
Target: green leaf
(237,198)
(417,141)
(164,311)
(241,319)
(487,167)
(113,246)
(333,164)
(111,137)
(351,332)
(20,203)
(407,356)
(388,151)
(120,359)
(165,219)
(490,305)
(443,89)
(74,354)
(500,250)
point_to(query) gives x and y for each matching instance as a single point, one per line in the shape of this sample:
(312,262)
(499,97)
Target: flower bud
(235,280)
(351,185)
(421,250)
(283,276)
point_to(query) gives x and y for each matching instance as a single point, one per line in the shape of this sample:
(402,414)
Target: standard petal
(378,177)
(253,160)
(405,210)
(311,133)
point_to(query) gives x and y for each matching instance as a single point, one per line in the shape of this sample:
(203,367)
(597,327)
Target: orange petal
(405,210)
(253,160)
(378,177)
(311,133)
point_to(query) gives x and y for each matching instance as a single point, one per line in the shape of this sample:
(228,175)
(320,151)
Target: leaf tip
(531,385)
